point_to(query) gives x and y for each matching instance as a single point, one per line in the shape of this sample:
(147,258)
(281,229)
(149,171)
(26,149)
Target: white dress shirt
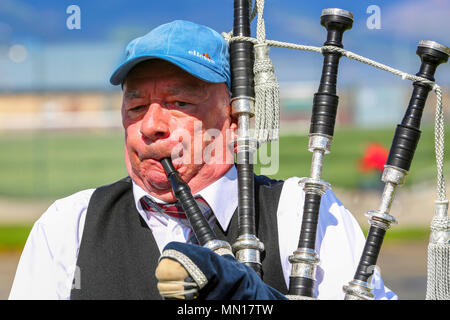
(48,262)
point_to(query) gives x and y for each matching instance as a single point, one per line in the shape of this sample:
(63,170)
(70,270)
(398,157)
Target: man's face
(166,112)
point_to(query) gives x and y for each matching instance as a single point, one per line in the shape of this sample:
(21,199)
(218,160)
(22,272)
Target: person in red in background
(373,160)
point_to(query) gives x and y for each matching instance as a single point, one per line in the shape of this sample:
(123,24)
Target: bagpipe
(211,270)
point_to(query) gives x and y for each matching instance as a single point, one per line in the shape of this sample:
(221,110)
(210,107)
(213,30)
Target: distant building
(60,110)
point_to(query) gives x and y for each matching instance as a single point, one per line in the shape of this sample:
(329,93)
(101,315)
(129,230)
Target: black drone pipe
(323,119)
(182,192)
(247,247)
(400,157)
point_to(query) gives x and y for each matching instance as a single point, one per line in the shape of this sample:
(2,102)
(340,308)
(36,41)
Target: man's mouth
(177,162)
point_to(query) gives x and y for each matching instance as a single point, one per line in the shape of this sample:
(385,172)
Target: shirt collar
(221,195)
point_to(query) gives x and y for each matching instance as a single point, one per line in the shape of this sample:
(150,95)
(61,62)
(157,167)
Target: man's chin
(153,178)
(157,182)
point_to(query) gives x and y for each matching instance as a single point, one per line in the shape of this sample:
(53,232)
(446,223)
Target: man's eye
(180,103)
(137,108)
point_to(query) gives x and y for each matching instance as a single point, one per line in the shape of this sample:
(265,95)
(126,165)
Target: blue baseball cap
(196,49)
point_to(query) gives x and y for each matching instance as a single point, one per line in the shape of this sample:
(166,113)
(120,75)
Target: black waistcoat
(118,254)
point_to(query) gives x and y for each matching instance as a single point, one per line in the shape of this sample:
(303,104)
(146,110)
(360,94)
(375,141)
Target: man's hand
(174,281)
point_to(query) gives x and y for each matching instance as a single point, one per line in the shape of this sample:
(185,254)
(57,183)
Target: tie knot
(174,210)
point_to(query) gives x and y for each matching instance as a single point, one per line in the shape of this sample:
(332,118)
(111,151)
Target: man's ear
(233,121)
(233,135)
(233,126)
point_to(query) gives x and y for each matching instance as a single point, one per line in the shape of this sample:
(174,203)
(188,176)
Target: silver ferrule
(240,105)
(440,225)
(304,262)
(380,219)
(318,145)
(434,45)
(248,248)
(319,142)
(337,12)
(219,246)
(394,175)
(358,290)
(314,185)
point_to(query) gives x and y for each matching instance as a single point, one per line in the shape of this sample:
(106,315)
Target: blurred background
(60,127)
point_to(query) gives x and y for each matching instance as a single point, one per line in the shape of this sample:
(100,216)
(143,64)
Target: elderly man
(104,243)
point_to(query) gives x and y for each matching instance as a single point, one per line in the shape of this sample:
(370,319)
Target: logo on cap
(204,56)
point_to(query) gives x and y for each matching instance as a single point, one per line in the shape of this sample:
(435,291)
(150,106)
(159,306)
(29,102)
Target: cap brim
(197,70)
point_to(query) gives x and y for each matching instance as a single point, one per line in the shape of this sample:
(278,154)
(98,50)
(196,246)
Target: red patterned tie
(171,209)
(175,210)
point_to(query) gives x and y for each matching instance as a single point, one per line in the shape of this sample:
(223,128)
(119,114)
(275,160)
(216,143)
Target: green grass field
(56,164)
(13,237)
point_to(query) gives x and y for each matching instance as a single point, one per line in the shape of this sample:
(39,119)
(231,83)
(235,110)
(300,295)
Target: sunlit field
(56,164)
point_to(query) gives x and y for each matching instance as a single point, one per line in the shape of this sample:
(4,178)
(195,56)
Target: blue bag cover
(227,278)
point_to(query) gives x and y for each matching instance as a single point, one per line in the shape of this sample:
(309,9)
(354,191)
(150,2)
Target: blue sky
(84,58)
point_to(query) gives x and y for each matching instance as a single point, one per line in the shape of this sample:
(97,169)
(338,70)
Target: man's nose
(155,124)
